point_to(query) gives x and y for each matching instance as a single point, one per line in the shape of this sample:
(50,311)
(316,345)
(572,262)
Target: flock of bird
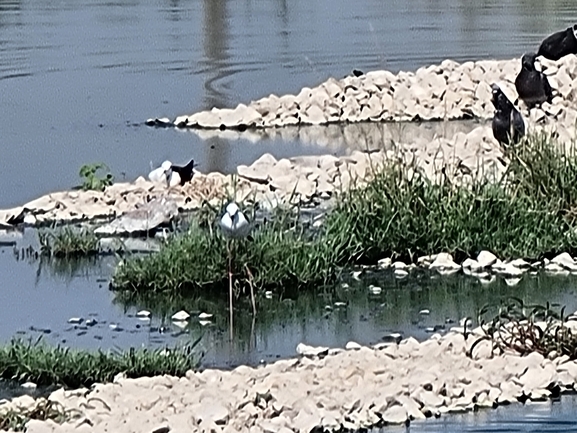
(532,86)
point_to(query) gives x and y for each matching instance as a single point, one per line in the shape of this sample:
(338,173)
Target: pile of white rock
(353,388)
(448,91)
(485,267)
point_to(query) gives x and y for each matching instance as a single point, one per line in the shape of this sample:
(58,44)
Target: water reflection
(216,53)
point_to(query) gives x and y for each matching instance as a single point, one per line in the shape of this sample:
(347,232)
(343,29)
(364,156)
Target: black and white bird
(532,85)
(234,223)
(172,174)
(559,44)
(508,124)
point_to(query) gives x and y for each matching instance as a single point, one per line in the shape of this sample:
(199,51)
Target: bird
(172,174)
(234,223)
(185,172)
(162,173)
(532,85)
(508,124)
(559,44)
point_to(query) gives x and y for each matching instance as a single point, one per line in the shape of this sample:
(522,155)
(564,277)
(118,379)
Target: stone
(566,261)
(395,415)
(486,259)
(444,261)
(150,216)
(306,350)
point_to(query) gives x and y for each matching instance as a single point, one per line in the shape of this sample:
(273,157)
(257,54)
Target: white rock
(205,316)
(395,415)
(75,320)
(486,259)
(425,312)
(143,314)
(180,316)
(375,290)
(401,273)
(470,264)
(444,261)
(399,265)
(306,350)
(29,219)
(352,345)
(384,263)
(566,261)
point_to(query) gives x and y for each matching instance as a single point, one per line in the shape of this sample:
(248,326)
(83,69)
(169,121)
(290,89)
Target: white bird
(165,173)
(234,223)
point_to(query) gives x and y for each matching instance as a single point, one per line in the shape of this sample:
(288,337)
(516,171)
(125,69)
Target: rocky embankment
(305,179)
(352,388)
(448,91)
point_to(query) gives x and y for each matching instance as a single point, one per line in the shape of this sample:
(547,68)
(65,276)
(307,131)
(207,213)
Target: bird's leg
(231,314)
(250,279)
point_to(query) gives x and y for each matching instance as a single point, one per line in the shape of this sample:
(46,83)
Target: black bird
(532,86)
(508,125)
(559,44)
(185,172)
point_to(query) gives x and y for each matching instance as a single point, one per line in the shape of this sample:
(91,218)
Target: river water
(78,78)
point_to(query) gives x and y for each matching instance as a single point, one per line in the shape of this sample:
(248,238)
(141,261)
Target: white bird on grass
(234,223)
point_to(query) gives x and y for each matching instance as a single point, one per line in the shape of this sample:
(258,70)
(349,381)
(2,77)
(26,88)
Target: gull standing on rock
(559,44)
(532,85)
(234,223)
(508,125)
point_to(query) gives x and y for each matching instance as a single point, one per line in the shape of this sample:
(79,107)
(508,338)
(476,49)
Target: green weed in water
(46,365)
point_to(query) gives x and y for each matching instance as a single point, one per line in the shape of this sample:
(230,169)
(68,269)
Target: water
(78,78)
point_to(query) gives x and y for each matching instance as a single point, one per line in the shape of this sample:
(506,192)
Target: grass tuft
(67,242)
(46,365)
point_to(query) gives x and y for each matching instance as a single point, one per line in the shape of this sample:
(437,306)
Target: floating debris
(425,312)
(268,294)
(76,320)
(91,322)
(204,322)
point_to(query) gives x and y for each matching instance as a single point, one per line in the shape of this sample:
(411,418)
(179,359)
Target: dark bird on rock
(508,125)
(185,172)
(532,85)
(559,44)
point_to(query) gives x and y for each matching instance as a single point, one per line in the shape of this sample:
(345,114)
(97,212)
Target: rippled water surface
(78,78)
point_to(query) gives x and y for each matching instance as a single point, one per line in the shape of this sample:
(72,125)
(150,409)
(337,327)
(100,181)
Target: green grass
(47,365)
(529,213)
(67,242)
(282,253)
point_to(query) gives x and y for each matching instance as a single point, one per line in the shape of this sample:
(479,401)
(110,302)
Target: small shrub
(92,179)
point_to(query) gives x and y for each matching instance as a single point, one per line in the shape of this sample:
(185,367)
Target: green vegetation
(46,365)
(526,329)
(529,213)
(67,242)
(95,176)
(282,253)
